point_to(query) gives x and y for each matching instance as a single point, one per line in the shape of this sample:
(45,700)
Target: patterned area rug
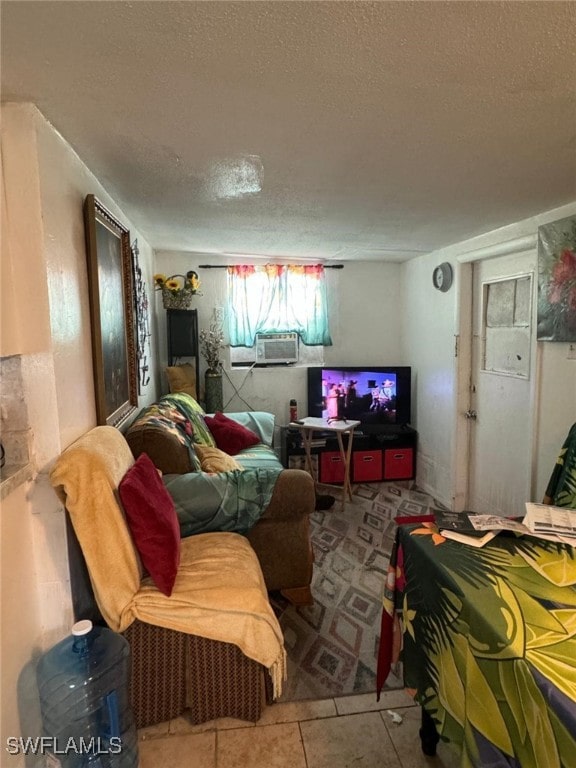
(332,645)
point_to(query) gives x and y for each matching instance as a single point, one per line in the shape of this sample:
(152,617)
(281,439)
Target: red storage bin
(331,467)
(367,466)
(398,464)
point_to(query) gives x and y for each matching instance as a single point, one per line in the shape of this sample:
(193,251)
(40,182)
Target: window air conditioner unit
(276,348)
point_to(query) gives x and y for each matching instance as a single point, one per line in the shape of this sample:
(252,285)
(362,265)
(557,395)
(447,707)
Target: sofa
(177,435)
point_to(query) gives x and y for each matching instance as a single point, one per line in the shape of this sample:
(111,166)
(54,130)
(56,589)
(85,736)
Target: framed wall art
(111,312)
(557,280)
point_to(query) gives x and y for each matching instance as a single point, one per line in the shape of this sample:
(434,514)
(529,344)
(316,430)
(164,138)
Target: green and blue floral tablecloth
(487,638)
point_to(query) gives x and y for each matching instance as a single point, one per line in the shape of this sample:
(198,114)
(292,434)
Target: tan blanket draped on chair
(219,591)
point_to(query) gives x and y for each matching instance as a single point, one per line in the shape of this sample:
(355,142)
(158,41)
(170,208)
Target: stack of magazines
(465,527)
(541,520)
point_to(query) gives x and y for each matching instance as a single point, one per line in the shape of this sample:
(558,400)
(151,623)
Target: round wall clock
(442,277)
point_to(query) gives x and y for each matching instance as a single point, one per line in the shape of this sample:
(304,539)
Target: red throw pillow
(230,436)
(152,520)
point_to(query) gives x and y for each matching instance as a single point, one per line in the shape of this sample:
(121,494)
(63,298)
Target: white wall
(428,342)
(556,408)
(365,323)
(45,186)
(24,327)
(432,320)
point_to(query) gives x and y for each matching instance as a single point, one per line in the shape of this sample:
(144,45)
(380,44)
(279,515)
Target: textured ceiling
(322,130)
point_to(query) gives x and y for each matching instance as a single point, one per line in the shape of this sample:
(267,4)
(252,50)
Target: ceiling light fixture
(235,177)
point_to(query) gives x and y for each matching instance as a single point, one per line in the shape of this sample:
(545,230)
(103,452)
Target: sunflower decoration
(177,290)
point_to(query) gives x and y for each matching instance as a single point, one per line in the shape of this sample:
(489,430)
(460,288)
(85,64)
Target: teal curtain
(276,298)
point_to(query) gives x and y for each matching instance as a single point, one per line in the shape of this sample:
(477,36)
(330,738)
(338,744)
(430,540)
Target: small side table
(309,425)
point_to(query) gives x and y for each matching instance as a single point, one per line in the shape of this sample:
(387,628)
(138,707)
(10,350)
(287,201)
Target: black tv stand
(379,452)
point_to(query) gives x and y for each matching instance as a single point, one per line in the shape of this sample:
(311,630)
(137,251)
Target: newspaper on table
(541,520)
(549,520)
(467,527)
(496,523)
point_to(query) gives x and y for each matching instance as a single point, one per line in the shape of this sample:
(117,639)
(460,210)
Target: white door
(500,418)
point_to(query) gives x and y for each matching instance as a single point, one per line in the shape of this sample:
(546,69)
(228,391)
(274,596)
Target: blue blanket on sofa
(226,501)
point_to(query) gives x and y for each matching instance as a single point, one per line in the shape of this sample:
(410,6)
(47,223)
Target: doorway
(498,413)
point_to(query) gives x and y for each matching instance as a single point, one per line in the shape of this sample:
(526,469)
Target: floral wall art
(557,280)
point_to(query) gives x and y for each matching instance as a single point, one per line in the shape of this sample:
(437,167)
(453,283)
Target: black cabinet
(387,454)
(182,327)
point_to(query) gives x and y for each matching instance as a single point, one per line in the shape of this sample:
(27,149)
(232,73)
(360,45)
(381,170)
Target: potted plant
(211,344)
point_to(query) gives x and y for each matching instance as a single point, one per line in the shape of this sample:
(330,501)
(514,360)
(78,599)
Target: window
(277,298)
(506,326)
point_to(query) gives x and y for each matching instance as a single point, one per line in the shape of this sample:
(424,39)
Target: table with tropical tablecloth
(487,639)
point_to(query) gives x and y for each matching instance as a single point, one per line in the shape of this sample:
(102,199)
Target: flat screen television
(375,395)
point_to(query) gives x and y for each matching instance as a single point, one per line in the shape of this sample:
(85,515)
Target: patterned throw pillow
(215,460)
(193,411)
(167,417)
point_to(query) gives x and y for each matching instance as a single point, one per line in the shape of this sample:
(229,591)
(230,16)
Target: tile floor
(345,732)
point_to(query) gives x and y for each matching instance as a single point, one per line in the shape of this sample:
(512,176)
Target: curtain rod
(225,266)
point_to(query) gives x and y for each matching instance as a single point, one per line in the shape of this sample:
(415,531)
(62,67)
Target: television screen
(373,395)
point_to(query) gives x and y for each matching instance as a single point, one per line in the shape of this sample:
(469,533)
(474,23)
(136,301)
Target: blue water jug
(86,713)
